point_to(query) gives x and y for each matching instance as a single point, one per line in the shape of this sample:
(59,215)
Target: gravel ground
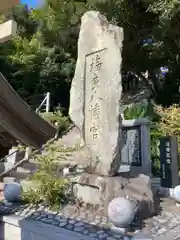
(94,223)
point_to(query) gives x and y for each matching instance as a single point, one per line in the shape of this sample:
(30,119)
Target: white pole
(42,103)
(48,102)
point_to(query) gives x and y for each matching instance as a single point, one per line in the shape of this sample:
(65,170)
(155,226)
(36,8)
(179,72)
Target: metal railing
(26,158)
(4,158)
(46,102)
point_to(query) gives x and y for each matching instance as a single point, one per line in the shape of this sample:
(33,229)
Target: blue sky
(33,3)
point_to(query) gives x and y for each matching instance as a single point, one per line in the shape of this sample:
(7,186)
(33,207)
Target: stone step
(29,165)
(15,177)
(2,167)
(25,170)
(26,167)
(10,180)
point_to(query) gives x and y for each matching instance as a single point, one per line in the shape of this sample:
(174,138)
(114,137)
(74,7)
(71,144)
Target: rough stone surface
(106,189)
(164,226)
(96,91)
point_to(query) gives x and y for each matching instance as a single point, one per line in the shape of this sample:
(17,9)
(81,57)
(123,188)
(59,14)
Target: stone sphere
(12,192)
(176,193)
(121,212)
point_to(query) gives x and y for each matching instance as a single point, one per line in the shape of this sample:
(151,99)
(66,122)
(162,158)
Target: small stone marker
(169,162)
(7,31)
(96,91)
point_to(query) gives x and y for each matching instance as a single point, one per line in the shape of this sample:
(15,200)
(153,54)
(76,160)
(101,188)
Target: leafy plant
(155,148)
(56,119)
(49,186)
(140,110)
(170,122)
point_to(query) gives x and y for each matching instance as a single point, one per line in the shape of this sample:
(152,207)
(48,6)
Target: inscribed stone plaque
(169,162)
(96,91)
(95,97)
(131,149)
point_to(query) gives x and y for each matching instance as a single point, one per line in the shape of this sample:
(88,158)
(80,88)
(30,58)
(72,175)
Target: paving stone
(85,232)
(163,227)
(102,236)
(161,231)
(72,222)
(78,224)
(93,235)
(69,226)
(55,223)
(78,229)
(110,238)
(62,224)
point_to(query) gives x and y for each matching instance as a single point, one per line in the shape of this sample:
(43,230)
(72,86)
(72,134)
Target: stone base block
(97,190)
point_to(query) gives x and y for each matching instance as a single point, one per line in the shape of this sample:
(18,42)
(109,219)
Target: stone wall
(16,228)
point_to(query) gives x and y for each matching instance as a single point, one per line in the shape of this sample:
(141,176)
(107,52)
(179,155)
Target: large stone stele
(96,91)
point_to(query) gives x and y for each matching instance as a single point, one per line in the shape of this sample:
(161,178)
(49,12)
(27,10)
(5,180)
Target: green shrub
(140,110)
(155,148)
(48,184)
(170,122)
(56,119)
(49,187)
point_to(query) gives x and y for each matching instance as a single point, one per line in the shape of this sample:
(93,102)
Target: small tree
(49,187)
(170,120)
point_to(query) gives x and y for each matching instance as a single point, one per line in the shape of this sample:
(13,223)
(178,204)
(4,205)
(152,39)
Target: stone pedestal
(100,191)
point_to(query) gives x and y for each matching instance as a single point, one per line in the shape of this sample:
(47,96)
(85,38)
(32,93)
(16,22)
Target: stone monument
(169,162)
(96,91)
(95,108)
